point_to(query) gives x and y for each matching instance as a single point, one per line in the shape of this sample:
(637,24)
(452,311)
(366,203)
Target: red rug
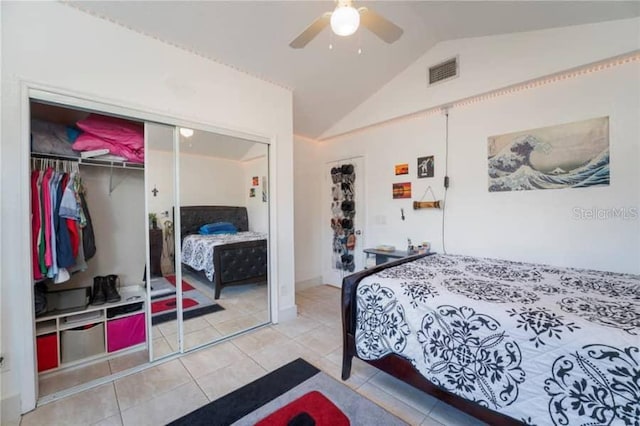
(311,408)
(164,305)
(170,304)
(185,285)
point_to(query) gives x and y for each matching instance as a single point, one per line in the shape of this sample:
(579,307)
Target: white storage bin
(82,343)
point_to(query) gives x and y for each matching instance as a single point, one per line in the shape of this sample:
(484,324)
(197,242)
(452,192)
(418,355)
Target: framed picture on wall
(252,192)
(255,181)
(402,169)
(425,166)
(402,190)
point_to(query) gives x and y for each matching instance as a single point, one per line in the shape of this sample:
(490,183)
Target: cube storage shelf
(75,337)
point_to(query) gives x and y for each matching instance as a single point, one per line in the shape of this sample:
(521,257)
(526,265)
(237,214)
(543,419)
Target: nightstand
(384,256)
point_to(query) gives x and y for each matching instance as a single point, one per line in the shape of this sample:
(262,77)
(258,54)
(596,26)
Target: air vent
(443,71)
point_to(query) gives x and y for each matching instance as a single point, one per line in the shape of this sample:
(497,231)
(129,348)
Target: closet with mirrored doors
(148,239)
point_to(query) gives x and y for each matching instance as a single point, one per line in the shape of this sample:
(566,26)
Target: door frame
(326,217)
(28,377)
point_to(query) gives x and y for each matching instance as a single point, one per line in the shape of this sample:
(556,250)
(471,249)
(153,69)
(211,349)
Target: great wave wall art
(573,155)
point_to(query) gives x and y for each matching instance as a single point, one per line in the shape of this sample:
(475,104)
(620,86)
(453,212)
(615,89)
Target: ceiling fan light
(187,133)
(345,20)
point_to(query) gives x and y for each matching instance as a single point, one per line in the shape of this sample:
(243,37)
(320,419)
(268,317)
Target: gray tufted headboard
(193,217)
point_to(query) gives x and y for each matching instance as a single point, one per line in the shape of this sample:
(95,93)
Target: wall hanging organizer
(343,210)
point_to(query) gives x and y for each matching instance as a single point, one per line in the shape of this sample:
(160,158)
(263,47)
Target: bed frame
(235,263)
(396,365)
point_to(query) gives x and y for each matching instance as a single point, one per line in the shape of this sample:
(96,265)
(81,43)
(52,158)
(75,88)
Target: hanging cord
(429,189)
(446,175)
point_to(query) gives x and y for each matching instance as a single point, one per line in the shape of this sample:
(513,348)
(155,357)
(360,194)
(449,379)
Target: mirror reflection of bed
(221,180)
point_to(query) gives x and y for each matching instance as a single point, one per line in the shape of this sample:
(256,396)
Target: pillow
(218,228)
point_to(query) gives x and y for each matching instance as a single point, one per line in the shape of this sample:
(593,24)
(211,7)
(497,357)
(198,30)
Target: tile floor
(167,391)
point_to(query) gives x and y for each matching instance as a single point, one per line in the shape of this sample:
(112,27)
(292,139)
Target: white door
(343,219)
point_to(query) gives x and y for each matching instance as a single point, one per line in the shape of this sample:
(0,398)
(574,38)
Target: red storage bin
(47,351)
(125,332)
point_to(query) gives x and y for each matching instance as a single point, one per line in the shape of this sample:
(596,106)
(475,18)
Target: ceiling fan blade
(312,30)
(382,27)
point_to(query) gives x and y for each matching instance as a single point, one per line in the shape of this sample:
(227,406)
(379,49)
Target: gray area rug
(357,408)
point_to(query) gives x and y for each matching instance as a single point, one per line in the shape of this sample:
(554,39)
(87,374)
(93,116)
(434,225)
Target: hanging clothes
(88,237)
(59,225)
(35,224)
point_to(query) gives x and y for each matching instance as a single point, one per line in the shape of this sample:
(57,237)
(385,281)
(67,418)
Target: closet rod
(91,161)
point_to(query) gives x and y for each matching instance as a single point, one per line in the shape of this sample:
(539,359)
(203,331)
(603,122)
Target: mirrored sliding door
(162,288)
(224,232)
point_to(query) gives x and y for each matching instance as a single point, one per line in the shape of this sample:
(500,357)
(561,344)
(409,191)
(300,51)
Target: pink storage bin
(125,332)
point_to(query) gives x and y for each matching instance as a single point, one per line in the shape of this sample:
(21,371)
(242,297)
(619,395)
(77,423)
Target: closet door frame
(30,90)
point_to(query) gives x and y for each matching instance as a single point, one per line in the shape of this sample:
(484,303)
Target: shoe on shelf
(110,288)
(98,296)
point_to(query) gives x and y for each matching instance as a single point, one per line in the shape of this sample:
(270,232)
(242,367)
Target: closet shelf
(90,161)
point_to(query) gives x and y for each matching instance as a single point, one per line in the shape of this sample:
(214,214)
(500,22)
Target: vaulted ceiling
(327,84)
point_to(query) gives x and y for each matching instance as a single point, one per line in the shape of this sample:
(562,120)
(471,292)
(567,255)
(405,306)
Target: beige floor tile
(66,379)
(229,378)
(360,371)
(194,324)
(274,356)
(127,361)
(166,407)
(392,404)
(404,392)
(450,416)
(195,338)
(320,291)
(84,408)
(262,317)
(137,388)
(428,421)
(248,303)
(236,325)
(252,342)
(325,316)
(110,421)
(222,316)
(162,348)
(155,332)
(207,360)
(297,326)
(169,327)
(358,366)
(201,337)
(322,340)
(335,371)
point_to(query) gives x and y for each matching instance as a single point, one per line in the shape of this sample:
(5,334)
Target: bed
(507,342)
(223,260)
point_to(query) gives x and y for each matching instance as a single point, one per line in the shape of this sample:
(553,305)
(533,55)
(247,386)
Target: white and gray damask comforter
(540,344)
(197,250)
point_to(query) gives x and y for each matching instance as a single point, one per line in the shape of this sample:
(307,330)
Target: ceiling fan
(345,20)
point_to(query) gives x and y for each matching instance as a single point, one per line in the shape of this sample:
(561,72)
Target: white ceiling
(327,84)
(208,144)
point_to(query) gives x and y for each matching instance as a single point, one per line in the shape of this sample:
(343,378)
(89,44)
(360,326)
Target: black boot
(98,296)
(110,288)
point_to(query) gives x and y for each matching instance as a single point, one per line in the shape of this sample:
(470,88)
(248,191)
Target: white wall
(536,226)
(210,181)
(308,187)
(55,45)
(204,181)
